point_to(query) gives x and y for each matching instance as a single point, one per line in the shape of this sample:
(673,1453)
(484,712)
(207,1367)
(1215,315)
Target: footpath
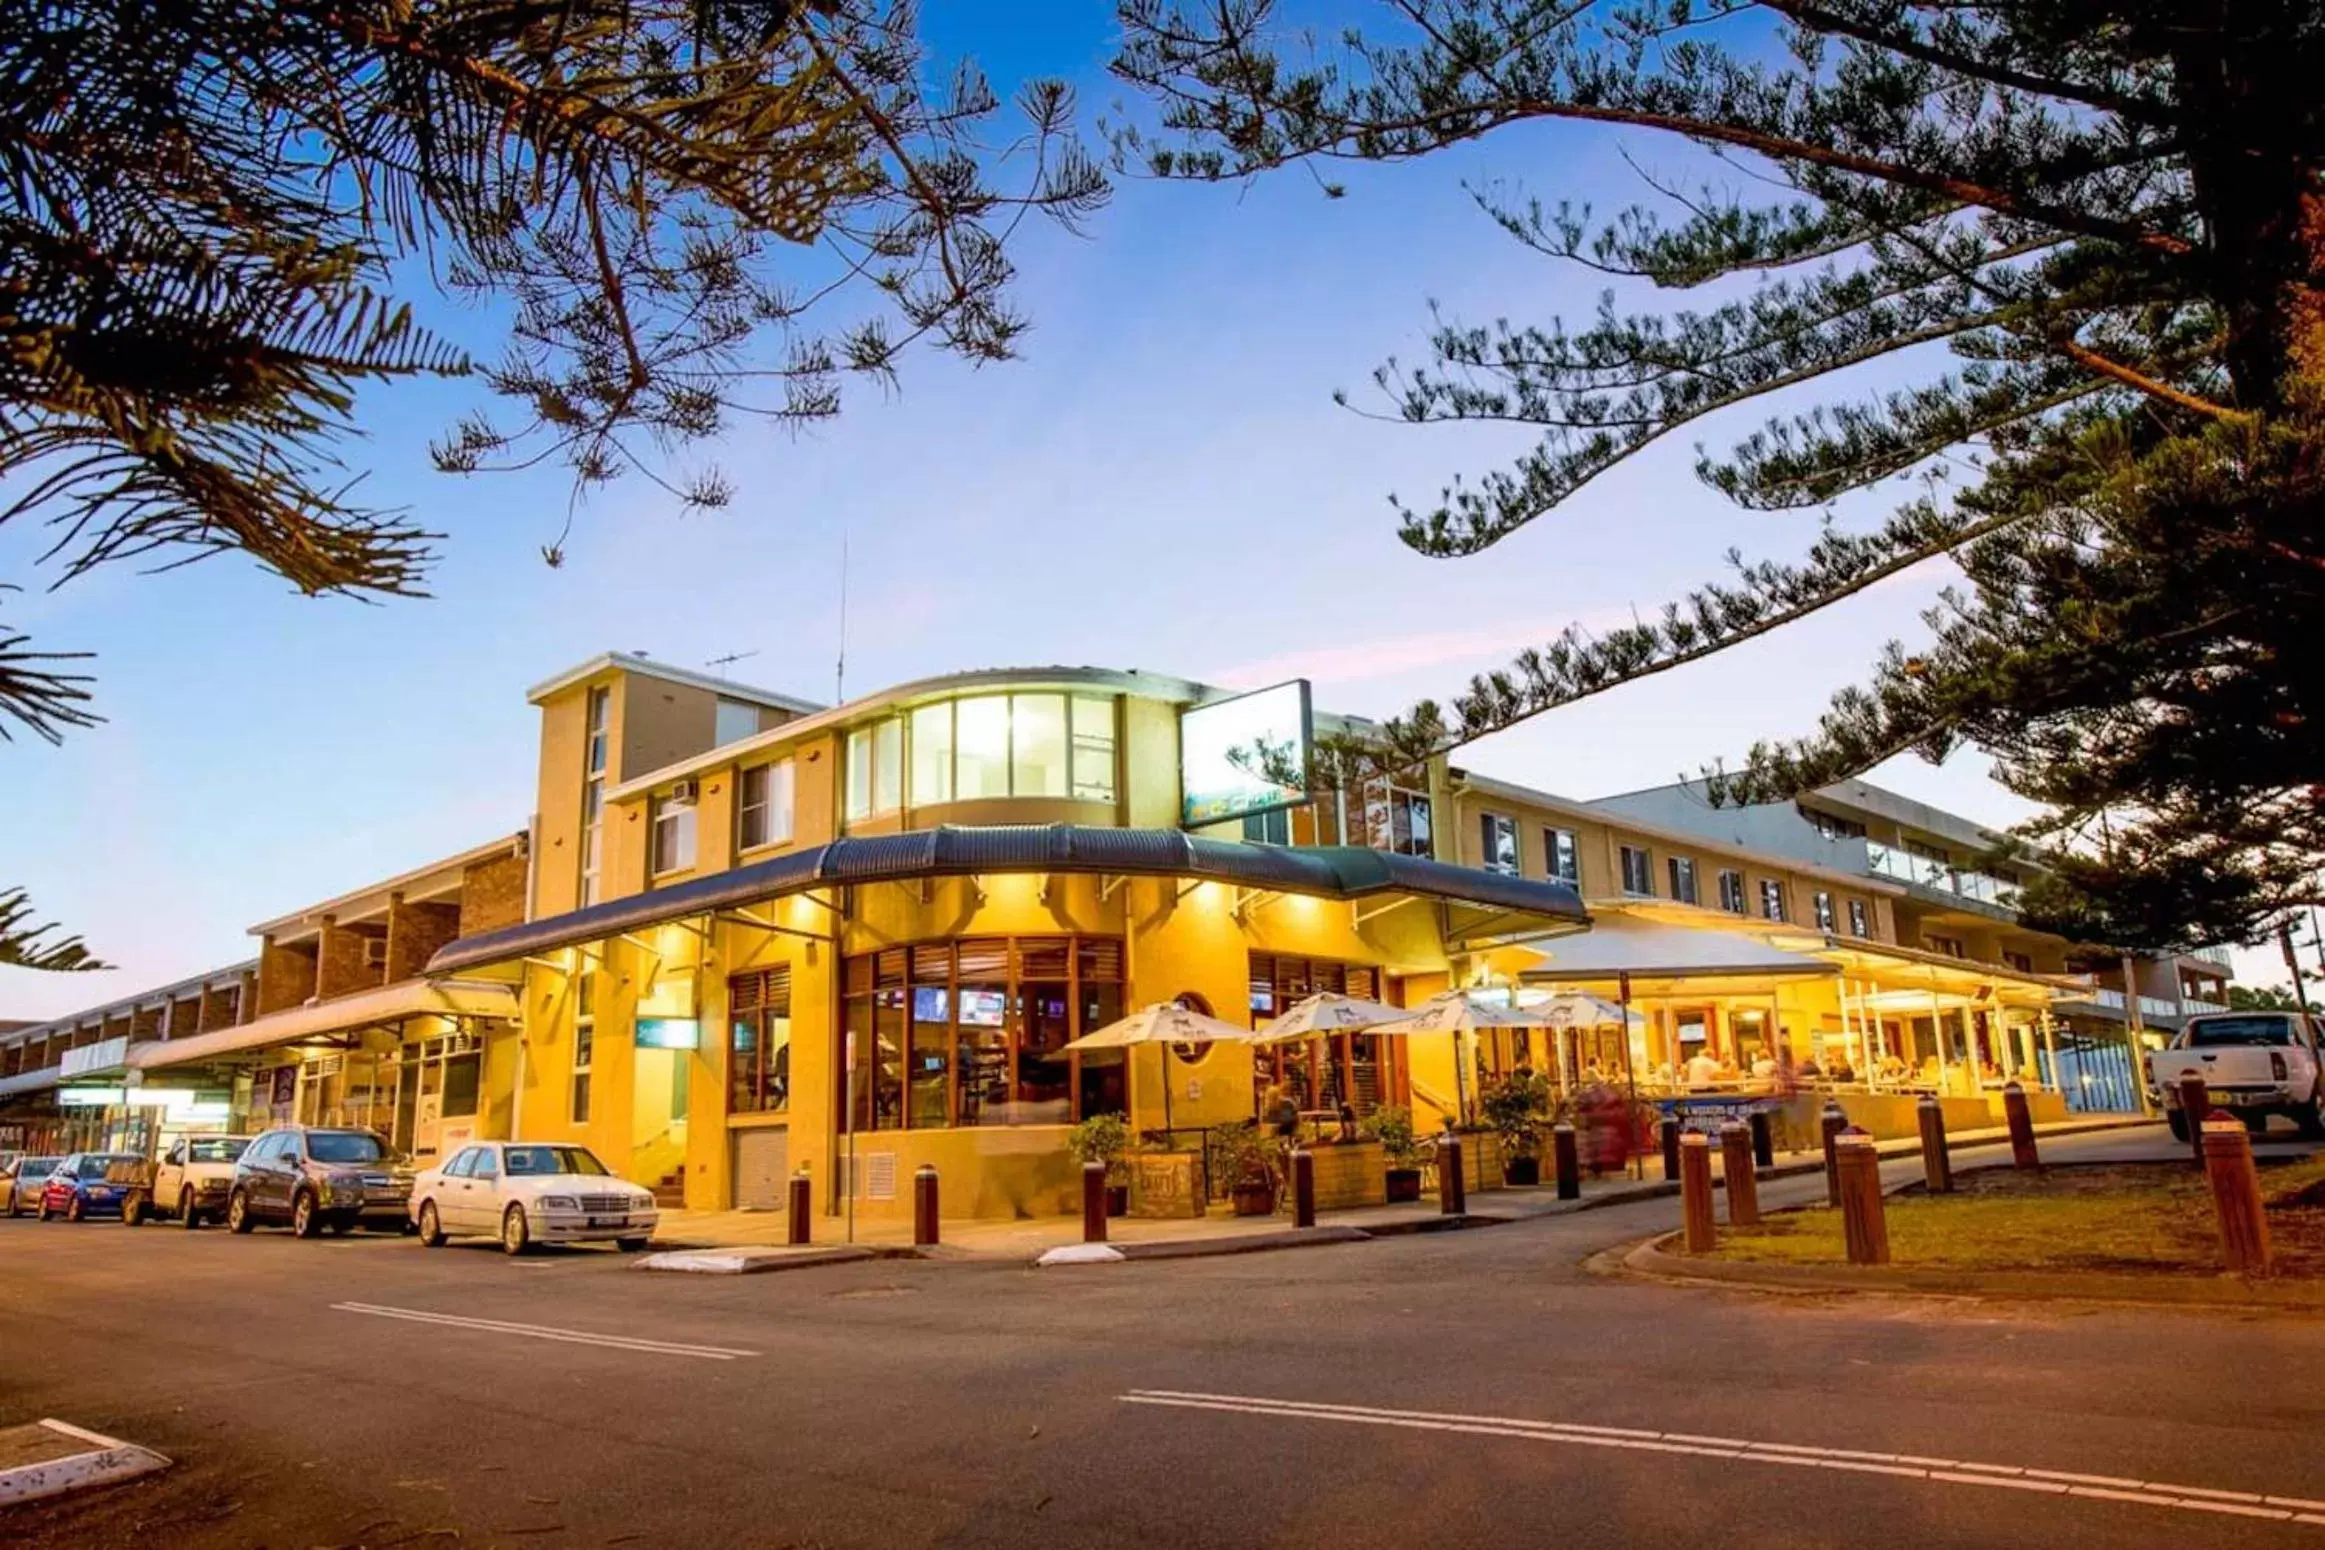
(750,1242)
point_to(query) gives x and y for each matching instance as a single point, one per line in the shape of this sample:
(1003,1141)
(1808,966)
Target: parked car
(312,1178)
(190,1183)
(528,1192)
(88,1184)
(2254,1064)
(22,1181)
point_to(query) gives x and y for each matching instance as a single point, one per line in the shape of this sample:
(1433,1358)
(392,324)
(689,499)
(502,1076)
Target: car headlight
(560,1203)
(641,1201)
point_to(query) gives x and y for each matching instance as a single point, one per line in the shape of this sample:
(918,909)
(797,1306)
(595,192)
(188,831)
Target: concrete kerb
(747,1262)
(63,1458)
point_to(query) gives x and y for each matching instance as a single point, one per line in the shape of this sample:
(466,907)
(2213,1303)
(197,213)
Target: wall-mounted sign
(1245,755)
(669,1032)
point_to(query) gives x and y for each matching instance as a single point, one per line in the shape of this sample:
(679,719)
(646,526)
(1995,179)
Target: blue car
(89,1184)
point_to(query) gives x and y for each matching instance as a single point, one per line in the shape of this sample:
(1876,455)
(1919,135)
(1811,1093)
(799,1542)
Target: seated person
(1702,1070)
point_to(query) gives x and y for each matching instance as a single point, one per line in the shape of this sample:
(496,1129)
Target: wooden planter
(1522,1170)
(1256,1199)
(1404,1184)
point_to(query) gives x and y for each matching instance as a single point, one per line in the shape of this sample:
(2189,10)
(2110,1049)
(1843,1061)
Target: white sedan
(528,1192)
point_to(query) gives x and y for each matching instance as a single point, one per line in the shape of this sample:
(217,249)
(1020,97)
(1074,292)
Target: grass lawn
(2146,1217)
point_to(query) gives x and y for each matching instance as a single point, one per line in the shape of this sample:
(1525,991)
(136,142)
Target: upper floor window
(1832,825)
(1273,827)
(2022,962)
(1562,855)
(1951,946)
(600,702)
(1860,923)
(1683,879)
(584,1041)
(1732,892)
(1927,851)
(1013,745)
(1638,871)
(876,768)
(1826,920)
(733,722)
(763,805)
(673,840)
(1398,821)
(1772,899)
(593,793)
(1500,836)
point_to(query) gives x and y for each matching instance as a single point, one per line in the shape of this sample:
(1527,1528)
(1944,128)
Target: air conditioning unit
(685,791)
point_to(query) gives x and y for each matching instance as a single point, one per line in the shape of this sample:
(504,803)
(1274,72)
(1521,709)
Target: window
(971,1032)
(485,1164)
(1638,872)
(763,805)
(1562,855)
(584,1041)
(461,1073)
(593,793)
(1859,922)
(1951,946)
(759,1017)
(1683,879)
(461,1162)
(733,722)
(674,831)
(1037,745)
(2022,962)
(1928,851)
(1013,745)
(1501,844)
(1832,825)
(1772,899)
(1732,892)
(1093,757)
(1398,821)
(1273,827)
(932,754)
(1319,1074)
(876,768)
(1825,919)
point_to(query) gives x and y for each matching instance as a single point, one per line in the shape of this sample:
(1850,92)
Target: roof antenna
(729,660)
(840,673)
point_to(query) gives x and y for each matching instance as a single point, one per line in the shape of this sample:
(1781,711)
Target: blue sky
(1162,482)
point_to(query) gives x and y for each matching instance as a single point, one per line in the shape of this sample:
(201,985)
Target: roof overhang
(30,1081)
(1481,905)
(324,1019)
(1646,949)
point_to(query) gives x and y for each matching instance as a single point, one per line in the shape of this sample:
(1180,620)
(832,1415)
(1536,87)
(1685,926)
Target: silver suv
(310,1178)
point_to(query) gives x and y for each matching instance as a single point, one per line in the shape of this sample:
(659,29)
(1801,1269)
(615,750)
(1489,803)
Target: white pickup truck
(2254,1064)
(189,1184)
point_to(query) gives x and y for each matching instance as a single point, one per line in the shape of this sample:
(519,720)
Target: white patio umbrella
(1581,1009)
(1164,1023)
(1454,1012)
(1326,1012)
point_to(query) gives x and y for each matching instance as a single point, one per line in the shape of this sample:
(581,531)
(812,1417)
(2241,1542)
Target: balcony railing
(2157,1006)
(1903,866)
(2190,1004)
(2218,955)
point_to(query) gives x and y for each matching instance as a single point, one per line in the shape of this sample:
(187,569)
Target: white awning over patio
(1614,947)
(346,1014)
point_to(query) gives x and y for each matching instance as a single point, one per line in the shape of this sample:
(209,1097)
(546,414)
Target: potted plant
(1105,1138)
(1247,1160)
(1515,1108)
(1392,1126)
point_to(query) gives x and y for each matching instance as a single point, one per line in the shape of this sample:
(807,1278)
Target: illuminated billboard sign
(1246,755)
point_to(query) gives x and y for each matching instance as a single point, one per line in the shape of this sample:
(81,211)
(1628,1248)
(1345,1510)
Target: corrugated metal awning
(346,1014)
(1324,871)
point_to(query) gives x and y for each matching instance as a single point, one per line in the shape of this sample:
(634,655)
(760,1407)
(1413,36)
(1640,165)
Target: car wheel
(74,1210)
(133,1210)
(2178,1120)
(42,1213)
(303,1222)
(189,1214)
(238,1213)
(632,1245)
(431,1226)
(516,1232)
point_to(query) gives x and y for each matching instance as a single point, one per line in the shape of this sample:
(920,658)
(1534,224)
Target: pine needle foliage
(2088,237)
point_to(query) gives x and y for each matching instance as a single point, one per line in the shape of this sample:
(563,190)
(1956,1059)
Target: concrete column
(1937,1033)
(1970,1051)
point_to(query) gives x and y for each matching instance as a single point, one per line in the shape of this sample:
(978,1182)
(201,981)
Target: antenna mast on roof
(721,664)
(840,673)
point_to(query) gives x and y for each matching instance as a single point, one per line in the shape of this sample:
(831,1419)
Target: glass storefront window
(983,743)
(1037,744)
(931,1068)
(932,755)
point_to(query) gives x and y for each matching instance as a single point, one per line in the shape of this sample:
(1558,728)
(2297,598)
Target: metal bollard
(1763,1140)
(2196,1103)
(924,1205)
(1937,1163)
(1863,1223)
(2244,1241)
(1303,1187)
(1831,1124)
(2022,1153)
(1452,1188)
(1695,1190)
(1743,1185)
(1566,1161)
(1670,1130)
(1093,1202)
(802,1207)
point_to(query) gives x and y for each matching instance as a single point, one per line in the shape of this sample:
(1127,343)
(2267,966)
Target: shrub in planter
(1392,1126)
(1105,1138)
(1517,1109)
(1246,1158)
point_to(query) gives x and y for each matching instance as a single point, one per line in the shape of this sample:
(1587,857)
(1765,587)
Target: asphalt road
(1430,1390)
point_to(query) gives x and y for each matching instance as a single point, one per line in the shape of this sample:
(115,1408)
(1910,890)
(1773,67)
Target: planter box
(1403,1184)
(1349,1175)
(1166,1184)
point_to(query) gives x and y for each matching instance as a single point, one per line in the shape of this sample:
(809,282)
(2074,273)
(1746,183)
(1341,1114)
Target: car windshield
(94,1167)
(532,1161)
(2269,1032)
(37,1167)
(217,1149)
(345,1146)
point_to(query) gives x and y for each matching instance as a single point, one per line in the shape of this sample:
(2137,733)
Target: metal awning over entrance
(346,1014)
(1480,904)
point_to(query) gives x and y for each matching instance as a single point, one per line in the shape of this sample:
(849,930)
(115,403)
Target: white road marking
(2049,1482)
(713,1353)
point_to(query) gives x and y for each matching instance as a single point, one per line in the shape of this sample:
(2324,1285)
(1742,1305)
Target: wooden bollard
(2236,1196)
(1303,1187)
(1937,1163)
(1763,1139)
(2196,1104)
(924,1205)
(1830,1124)
(1743,1184)
(1452,1188)
(1093,1202)
(1695,1190)
(1863,1224)
(2023,1156)
(1566,1161)
(802,1207)
(1670,1139)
